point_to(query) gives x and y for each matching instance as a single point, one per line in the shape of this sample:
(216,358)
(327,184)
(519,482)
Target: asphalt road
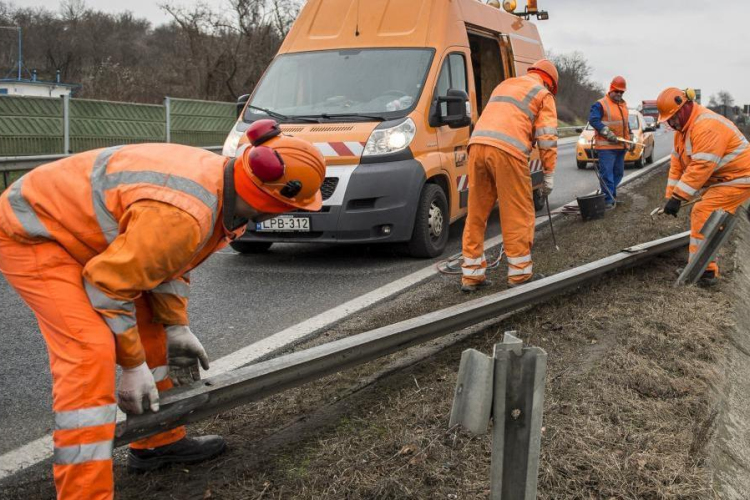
(238,300)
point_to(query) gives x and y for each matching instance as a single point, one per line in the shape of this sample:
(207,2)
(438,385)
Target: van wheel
(650,158)
(538,200)
(639,162)
(250,247)
(430,233)
(581,164)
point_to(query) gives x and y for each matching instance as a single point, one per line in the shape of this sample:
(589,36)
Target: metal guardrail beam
(22,163)
(252,383)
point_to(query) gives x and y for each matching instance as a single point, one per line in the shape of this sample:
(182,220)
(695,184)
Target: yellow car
(642,134)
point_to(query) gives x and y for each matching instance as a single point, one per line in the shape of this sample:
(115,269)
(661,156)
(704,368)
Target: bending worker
(520,112)
(99,245)
(711,159)
(609,117)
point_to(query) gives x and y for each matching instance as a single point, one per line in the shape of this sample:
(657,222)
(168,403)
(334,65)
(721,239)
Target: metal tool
(625,141)
(551,226)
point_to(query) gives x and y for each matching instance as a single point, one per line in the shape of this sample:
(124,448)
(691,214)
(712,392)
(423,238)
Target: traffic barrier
(224,392)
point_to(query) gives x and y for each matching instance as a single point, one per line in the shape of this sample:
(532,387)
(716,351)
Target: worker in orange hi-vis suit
(99,245)
(711,159)
(520,112)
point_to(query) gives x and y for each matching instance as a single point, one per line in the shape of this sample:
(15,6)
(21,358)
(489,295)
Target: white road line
(36,451)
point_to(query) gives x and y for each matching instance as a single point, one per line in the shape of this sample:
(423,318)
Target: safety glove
(549,184)
(609,135)
(137,391)
(672,206)
(184,351)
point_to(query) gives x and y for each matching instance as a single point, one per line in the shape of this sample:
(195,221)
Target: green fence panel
(201,123)
(98,124)
(30,126)
(34,126)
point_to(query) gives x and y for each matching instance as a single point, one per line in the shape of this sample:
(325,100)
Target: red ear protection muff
(262,131)
(266,164)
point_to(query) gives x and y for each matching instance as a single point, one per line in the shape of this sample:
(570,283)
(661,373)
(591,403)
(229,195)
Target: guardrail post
(716,232)
(168,109)
(516,394)
(66,124)
(6,179)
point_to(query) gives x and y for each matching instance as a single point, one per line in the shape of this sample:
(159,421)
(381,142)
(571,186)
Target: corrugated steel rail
(252,383)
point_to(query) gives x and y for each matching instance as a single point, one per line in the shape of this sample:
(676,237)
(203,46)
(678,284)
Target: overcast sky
(652,43)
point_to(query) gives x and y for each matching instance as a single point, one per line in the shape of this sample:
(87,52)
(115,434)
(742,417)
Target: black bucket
(592,206)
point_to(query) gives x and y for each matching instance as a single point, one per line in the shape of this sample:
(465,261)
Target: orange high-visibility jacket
(709,151)
(102,206)
(520,112)
(615,116)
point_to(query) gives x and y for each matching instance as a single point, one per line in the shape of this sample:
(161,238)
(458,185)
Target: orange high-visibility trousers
(82,361)
(495,175)
(727,198)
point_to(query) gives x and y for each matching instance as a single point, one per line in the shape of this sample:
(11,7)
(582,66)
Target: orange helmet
(669,102)
(618,83)
(546,67)
(276,173)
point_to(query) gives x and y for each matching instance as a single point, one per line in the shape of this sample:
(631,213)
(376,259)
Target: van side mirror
(241,101)
(457,115)
(579,130)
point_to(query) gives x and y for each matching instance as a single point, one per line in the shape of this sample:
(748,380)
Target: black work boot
(534,277)
(708,279)
(473,287)
(188,450)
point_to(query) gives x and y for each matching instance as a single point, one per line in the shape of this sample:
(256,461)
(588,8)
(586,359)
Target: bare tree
(202,53)
(577,92)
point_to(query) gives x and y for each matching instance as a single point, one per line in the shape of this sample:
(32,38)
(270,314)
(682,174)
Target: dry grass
(628,410)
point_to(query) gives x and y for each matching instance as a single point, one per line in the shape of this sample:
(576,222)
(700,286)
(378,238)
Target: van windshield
(342,84)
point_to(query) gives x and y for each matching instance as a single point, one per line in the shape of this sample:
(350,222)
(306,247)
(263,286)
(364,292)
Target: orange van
(388,91)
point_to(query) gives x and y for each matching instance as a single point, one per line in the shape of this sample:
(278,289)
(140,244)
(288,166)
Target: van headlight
(391,140)
(231,143)
(582,140)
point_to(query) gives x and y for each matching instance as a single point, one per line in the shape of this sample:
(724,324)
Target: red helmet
(669,102)
(618,83)
(546,67)
(277,173)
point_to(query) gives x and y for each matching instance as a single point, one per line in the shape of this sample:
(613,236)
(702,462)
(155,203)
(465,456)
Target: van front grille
(287,128)
(329,186)
(332,129)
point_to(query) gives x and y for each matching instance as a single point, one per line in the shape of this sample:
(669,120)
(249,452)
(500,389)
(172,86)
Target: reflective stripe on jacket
(520,113)
(101,206)
(615,116)
(710,151)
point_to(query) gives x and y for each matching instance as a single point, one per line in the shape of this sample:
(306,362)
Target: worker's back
(508,120)
(79,201)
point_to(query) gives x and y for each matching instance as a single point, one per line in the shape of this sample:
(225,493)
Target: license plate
(284,223)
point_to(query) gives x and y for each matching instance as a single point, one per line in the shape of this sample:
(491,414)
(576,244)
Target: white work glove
(609,135)
(137,390)
(184,351)
(549,183)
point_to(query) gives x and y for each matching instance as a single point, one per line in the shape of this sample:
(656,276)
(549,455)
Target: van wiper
(327,116)
(279,116)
